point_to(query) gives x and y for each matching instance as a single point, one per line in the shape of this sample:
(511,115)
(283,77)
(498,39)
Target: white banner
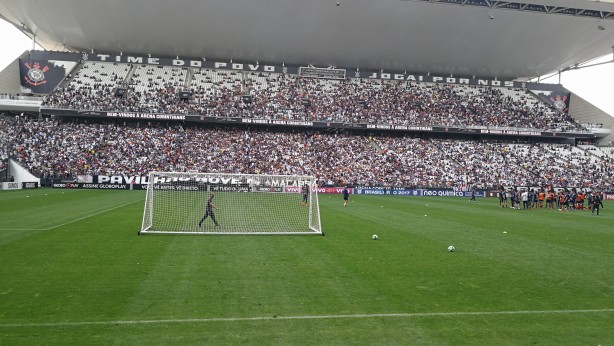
(11,186)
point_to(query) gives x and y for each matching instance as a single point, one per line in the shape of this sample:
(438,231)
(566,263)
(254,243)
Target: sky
(594,84)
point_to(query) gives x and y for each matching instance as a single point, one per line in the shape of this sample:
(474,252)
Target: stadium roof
(489,38)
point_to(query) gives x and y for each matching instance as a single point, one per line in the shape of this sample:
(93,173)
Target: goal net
(217,203)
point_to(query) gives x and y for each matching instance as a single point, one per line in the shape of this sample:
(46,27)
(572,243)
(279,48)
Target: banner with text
(419,192)
(321,190)
(257,66)
(311,124)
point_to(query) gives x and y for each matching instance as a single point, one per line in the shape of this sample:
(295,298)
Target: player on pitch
(305,193)
(209,211)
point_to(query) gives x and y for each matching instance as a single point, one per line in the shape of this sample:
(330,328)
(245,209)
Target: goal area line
(218,233)
(308,317)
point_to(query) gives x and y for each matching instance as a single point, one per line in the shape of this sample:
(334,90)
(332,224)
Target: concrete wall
(9,77)
(585,112)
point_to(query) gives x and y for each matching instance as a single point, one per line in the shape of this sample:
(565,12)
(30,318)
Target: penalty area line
(307,317)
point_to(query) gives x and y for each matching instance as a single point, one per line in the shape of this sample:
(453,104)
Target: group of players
(563,199)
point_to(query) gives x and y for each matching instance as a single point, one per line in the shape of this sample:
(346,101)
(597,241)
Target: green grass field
(73,272)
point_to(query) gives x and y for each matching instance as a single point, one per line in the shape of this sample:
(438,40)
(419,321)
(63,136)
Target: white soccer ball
(374,237)
(451,248)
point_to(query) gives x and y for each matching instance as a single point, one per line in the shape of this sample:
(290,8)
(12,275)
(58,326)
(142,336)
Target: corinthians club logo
(36,74)
(560,103)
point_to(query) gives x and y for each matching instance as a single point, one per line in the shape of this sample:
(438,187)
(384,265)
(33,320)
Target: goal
(216,203)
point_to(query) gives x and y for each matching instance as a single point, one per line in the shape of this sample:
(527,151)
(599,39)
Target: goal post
(218,203)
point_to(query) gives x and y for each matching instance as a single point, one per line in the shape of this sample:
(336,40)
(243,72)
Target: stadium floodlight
(218,203)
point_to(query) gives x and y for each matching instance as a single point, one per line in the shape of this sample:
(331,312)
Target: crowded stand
(488,163)
(6,142)
(64,149)
(220,94)
(225,93)
(601,152)
(91,88)
(417,162)
(153,89)
(81,147)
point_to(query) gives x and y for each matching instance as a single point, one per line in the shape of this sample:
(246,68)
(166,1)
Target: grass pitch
(73,271)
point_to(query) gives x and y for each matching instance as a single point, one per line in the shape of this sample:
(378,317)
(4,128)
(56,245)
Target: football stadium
(305,173)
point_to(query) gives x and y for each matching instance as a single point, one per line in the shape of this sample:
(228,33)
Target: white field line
(308,317)
(71,221)
(24,229)
(90,215)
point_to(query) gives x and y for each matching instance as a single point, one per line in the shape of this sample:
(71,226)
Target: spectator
(220,93)
(64,149)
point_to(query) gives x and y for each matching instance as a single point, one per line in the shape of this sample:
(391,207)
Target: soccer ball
(374,237)
(451,248)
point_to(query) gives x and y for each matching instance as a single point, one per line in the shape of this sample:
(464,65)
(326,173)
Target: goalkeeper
(305,193)
(209,211)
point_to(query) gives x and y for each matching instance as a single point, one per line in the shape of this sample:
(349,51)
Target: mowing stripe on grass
(71,221)
(308,317)
(90,215)
(24,229)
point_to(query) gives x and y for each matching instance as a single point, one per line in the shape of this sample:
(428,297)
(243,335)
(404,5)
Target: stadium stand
(91,88)
(85,147)
(65,149)
(220,93)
